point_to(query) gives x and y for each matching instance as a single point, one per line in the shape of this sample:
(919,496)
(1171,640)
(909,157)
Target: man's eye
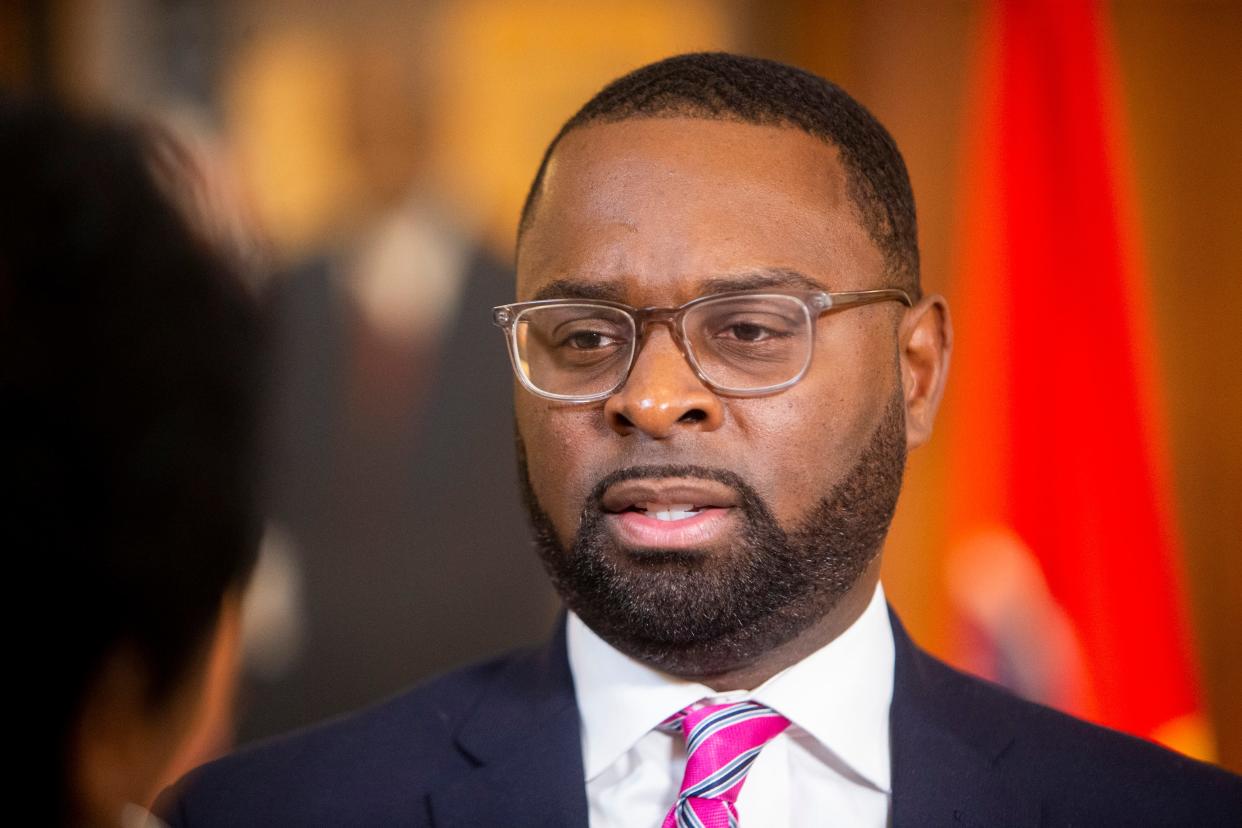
(588,340)
(748,332)
(752,332)
(749,326)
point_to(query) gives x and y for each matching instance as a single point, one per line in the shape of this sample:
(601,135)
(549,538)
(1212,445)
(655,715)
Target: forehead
(660,208)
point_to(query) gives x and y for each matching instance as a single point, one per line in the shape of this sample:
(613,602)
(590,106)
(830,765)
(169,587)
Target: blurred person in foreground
(129,380)
(722,356)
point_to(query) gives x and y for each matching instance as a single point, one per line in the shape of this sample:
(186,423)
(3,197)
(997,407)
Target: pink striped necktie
(722,742)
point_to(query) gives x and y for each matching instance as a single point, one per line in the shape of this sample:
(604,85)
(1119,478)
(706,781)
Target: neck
(842,616)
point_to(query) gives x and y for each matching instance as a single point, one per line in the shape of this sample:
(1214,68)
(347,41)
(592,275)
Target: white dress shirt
(831,766)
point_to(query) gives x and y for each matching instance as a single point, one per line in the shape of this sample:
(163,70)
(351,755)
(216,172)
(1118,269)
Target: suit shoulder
(1078,767)
(319,774)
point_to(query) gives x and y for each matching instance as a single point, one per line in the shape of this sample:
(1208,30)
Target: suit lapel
(523,740)
(948,749)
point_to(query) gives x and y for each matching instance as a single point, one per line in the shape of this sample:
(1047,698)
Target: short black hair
(130,374)
(720,86)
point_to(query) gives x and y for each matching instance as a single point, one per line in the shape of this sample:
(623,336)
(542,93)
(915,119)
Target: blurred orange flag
(1064,557)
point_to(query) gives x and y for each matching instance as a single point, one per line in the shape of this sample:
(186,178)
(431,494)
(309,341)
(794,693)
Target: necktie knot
(722,742)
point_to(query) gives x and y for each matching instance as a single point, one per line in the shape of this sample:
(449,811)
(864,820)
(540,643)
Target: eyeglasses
(742,344)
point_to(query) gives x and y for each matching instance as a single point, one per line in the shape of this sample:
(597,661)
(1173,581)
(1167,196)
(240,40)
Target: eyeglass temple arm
(845,299)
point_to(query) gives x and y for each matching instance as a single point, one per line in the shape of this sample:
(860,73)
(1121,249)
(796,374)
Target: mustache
(748,498)
(749,501)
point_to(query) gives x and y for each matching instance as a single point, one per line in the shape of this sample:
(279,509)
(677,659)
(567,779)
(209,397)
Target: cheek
(555,437)
(799,455)
(806,440)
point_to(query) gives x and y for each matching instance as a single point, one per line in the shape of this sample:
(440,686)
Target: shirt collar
(839,695)
(620,699)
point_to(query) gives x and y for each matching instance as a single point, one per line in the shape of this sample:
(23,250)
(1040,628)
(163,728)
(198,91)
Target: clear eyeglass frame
(815,303)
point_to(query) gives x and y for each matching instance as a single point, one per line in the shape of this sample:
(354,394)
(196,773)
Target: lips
(659,494)
(668,513)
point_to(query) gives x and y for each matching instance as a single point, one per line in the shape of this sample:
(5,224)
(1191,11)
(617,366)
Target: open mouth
(667,498)
(669,513)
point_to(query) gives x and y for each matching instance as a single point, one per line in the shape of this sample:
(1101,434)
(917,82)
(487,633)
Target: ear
(116,750)
(125,748)
(925,340)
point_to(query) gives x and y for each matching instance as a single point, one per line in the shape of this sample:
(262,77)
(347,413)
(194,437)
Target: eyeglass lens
(740,343)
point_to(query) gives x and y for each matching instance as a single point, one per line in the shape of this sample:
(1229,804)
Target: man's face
(790,493)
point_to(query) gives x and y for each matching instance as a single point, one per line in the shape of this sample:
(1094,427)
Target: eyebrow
(614,291)
(580,289)
(768,277)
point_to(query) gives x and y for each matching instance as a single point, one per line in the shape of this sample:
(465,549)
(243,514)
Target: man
(723,356)
(130,361)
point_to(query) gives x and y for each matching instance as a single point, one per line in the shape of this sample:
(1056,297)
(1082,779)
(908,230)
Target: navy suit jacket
(498,744)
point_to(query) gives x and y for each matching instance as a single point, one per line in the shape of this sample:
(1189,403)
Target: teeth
(668,511)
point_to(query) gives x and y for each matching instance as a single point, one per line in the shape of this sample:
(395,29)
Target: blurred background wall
(384,147)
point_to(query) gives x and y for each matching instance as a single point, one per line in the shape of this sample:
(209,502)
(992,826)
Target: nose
(662,395)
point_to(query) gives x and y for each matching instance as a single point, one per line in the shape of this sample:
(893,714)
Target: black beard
(689,614)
